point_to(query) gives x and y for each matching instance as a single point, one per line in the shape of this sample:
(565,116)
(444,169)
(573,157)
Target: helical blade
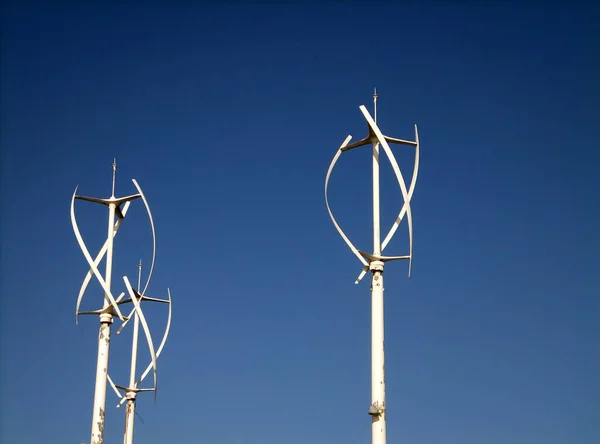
(410,194)
(99,257)
(122,401)
(162,343)
(88,257)
(126,321)
(142,318)
(337,227)
(412,187)
(153,235)
(362,274)
(114,387)
(395,167)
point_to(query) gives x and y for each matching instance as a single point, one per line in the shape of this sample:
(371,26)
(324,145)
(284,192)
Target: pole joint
(375,266)
(376,409)
(106,318)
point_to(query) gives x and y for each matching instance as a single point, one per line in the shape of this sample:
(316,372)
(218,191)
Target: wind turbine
(116,207)
(375,262)
(131,391)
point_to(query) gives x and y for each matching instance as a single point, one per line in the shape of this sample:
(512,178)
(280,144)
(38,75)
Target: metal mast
(130,408)
(377,327)
(375,262)
(116,207)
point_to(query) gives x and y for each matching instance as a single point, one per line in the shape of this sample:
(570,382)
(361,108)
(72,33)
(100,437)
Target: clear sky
(228,116)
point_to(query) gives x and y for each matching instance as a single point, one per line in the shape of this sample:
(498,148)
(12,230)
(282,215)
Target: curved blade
(122,401)
(337,227)
(362,274)
(88,257)
(153,235)
(162,343)
(142,319)
(395,167)
(120,297)
(126,321)
(412,187)
(411,190)
(114,387)
(99,257)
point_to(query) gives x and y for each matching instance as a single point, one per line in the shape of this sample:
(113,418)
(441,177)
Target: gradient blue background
(228,116)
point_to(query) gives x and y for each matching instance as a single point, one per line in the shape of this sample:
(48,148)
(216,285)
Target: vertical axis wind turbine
(375,262)
(116,207)
(131,391)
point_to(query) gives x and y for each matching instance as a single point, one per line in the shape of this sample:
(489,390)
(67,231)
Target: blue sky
(228,116)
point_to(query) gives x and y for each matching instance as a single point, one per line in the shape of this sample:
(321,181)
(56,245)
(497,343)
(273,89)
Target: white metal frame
(130,392)
(375,262)
(117,207)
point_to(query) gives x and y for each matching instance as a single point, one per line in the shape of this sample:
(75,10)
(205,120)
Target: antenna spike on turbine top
(375,104)
(114,165)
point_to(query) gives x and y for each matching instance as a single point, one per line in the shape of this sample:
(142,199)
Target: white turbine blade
(129,317)
(153,234)
(99,257)
(410,194)
(140,314)
(337,227)
(410,241)
(410,233)
(395,166)
(122,401)
(162,343)
(88,257)
(362,274)
(114,387)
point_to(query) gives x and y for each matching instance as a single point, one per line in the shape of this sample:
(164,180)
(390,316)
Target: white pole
(131,396)
(378,429)
(378,408)
(104,335)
